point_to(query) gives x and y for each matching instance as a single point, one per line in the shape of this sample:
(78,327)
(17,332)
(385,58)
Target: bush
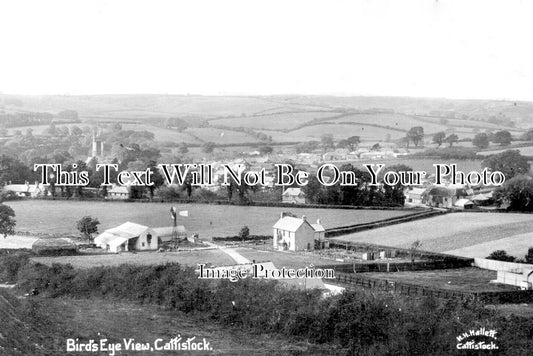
(529,256)
(501,255)
(244,233)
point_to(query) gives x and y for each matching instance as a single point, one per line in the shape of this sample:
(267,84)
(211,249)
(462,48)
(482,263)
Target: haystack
(55,246)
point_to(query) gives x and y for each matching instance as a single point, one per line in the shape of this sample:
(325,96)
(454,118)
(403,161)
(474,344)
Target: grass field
(53,216)
(219,136)
(161,133)
(425,165)
(525,151)
(189,258)
(340,131)
(463,279)
(451,231)
(281,121)
(401,122)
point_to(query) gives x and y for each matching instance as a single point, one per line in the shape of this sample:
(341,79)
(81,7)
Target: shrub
(501,255)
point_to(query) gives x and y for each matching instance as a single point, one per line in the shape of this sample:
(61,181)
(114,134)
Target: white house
(118,192)
(414,196)
(128,237)
(294,234)
(28,190)
(293,196)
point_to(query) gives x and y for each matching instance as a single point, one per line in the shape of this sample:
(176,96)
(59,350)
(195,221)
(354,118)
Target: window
(149,238)
(142,244)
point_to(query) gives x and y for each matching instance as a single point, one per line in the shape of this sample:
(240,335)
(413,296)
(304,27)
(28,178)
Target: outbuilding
(128,237)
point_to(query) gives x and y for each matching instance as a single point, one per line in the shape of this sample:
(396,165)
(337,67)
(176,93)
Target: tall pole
(173,216)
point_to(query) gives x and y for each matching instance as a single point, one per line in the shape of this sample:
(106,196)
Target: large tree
(350,143)
(415,134)
(502,137)
(517,192)
(87,226)
(439,137)
(7,220)
(453,138)
(510,163)
(481,140)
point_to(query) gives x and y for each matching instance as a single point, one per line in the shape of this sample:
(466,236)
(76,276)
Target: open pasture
(189,258)
(219,136)
(54,216)
(342,131)
(450,232)
(461,279)
(281,121)
(416,164)
(402,122)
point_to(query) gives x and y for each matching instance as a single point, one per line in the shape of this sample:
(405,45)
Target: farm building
(27,190)
(293,196)
(463,204)
(414,197)
(118,192)
(55,247)
(294,234)
(128,237)
(443,197)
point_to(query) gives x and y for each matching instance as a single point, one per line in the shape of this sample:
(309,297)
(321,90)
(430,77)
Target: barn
(128,237)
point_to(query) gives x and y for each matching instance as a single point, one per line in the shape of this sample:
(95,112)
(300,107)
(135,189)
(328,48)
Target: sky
(460,49)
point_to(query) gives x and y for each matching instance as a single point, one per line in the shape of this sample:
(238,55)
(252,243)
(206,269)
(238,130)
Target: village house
(128,237)
(293,196)
(118,192)
(296,234)
(414,197)
(444,197)
(28,190)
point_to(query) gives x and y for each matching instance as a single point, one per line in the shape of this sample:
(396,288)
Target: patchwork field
(401,122)
(341,131)
(279,121)
(516,245)
(219,136)
(455,231)
(525,151)
(53,216)
(425,165)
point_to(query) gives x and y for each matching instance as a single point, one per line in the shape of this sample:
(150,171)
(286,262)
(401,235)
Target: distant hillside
(256,120)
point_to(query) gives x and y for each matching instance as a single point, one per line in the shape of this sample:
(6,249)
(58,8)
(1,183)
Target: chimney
(304,218)
(318,221)
(282,215)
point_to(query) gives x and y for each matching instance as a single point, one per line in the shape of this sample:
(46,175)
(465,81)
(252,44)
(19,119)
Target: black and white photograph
(253,177)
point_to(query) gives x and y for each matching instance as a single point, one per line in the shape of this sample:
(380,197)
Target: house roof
(22,188)
(292,191)
(463,202)
(128,230)
(318,227)
(442,192)
(288,223)
(416,191)
(119,189)
(122,233)
(480,197)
